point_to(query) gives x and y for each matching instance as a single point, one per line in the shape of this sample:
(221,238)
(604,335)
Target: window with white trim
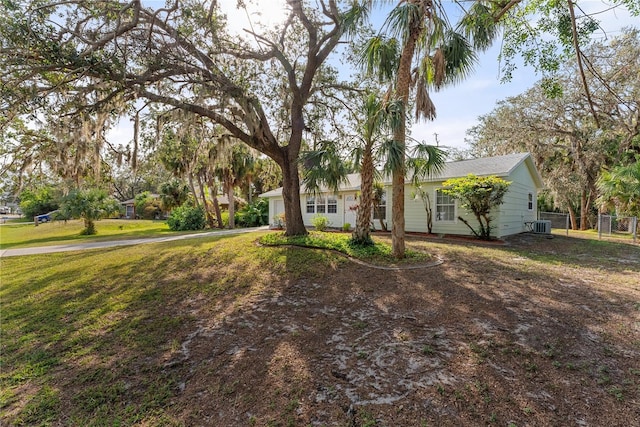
(332,204)
(311,204)
(530,201)
(445,207)
(380,211)
(321,206)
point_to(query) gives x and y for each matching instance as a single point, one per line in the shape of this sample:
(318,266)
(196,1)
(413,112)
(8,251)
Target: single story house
(514,216)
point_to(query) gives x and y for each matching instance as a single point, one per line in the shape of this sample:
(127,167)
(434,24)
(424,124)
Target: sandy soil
(493,336)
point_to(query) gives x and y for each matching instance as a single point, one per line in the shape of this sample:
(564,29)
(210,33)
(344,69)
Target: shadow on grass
(223,332)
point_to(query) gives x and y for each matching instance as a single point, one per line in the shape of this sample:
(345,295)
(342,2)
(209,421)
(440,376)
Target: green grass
(60,232)
(378,253)
(85,335)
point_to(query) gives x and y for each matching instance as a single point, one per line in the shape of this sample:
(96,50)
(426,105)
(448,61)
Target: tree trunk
(232,206)
(193,189)
(397,211)
(362,231)
(207,210)
(213,190)
(584,210)
(291,195)
(403,83)
(427,207)
(572,217)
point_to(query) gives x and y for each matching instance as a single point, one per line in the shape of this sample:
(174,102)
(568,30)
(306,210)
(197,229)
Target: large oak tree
(75,57)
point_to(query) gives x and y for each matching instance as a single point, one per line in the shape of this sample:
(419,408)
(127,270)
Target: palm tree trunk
(232,206)
(207,210)
(213,190)
(362,231)
(403,83)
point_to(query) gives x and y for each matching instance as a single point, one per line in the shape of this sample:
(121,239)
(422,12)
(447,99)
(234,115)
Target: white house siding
(276,207)
(416,215)
(335,219)
(508,219)
(514,212)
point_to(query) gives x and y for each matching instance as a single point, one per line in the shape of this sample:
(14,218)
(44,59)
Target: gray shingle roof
(498,165)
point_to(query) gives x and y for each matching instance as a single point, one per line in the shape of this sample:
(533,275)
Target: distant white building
(514,216)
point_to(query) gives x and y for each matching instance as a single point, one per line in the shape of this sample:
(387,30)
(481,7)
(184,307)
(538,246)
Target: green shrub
(320,222)
(186,217)
(254,215)
(346,226)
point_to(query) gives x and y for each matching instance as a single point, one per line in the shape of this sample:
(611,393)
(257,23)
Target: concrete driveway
(109,244)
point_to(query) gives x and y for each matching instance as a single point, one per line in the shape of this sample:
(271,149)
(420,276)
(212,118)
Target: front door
(350,209)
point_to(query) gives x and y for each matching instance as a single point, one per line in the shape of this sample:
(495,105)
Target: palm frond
(459,57)
(354,17)
(395,113)
(425,108)
(439,64)
(380,57)
(426,160)
(392,152)
(323,168)
(478,25)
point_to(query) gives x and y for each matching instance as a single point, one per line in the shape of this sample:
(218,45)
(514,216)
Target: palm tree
(423,51)
(371,130)
(620,188)
(90,205)
(173,194)
(232,162)
(423,161)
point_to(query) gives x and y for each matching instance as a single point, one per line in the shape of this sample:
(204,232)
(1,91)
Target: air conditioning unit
(542,227)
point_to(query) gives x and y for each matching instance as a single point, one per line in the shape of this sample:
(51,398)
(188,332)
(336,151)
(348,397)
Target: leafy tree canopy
(479,195)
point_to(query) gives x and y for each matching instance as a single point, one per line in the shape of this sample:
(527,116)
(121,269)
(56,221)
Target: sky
(457,107)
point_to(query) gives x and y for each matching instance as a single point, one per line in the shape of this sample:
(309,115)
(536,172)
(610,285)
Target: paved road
(109,244)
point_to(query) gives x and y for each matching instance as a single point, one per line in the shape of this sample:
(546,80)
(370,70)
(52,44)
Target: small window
(530,202)
(332,204)
(311,205)
(380,212)
(320,205)
(445,207)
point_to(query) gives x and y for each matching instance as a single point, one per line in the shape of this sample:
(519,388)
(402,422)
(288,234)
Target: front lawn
(223,331)
(61,232)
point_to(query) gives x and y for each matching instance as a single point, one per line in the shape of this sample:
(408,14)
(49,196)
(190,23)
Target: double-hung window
(530,202)
(445,207)
(321,206)
(380,211)
(311,204)
(332,204)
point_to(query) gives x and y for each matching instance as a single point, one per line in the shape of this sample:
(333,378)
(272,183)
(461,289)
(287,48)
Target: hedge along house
(514,216)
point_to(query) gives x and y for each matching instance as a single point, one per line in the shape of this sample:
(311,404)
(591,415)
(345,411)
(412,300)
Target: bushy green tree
(38,202)
(147,206)
(479,195)
(254,214)
(187,217)
(89,205)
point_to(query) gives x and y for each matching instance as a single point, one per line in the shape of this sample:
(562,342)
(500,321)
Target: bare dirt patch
(504,335)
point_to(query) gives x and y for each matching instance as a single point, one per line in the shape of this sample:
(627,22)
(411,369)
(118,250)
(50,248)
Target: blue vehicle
(46,217)
(43,218)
